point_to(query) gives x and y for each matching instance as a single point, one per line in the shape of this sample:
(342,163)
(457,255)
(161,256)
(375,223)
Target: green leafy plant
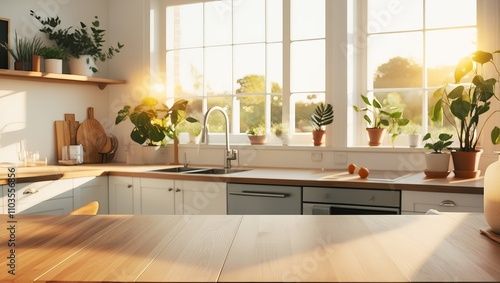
(322,116)
(466,103)
(258,130)
(85,40)
(154,121)
(438,146)
(279,129)
(52,52)
(24,50)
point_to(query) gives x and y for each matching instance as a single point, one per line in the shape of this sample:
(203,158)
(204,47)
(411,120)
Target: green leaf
(456,92)
(426,137)
(481,57)
(460,108)
(495,135)
(376,104)
(366,100)
(463,67)
(445,136)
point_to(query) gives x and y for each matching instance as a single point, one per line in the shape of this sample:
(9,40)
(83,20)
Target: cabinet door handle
(448,203)
(30,192)
(129,186)
(257,194)
(170,189)
(177,190)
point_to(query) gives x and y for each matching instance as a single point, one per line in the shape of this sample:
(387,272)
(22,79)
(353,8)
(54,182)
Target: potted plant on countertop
(437,162)
(257,134)
(322,117)
(153,122)
(383,118)
(464,105)
(83,44)
(54,57)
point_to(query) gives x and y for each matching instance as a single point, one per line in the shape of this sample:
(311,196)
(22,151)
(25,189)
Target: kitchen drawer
(263,199)
(421,202)
(383,198)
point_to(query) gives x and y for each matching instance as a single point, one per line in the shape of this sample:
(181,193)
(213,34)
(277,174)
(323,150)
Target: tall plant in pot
(437,162)
(381,119)
(322,117)
(464,105)
(84,44)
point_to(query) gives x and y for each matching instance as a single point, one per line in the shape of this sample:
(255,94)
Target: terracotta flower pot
(466,163)
(375,136)
(257,139)
(318,137)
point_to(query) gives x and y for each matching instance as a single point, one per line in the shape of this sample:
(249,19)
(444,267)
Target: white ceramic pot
(54,66)
(492,196)
(414,140)
(437,162)
(82,66)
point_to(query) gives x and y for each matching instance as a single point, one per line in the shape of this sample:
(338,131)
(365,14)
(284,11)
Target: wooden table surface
(253,248)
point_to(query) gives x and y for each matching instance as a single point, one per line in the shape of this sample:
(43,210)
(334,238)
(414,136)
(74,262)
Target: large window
(231,54)
(412,48)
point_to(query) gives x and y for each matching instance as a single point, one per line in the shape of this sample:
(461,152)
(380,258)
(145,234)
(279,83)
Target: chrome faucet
(231,154)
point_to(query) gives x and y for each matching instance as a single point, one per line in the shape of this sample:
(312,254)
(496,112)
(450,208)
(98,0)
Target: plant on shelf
(381,118)
(321,117)
(257,134)
(465,104)
(82,41)
(24,51)
(53,52)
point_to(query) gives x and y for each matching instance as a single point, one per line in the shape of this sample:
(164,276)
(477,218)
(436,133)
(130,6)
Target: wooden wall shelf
(58,78)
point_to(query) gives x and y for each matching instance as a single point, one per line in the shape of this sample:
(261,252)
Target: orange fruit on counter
(363,172)
(351,168)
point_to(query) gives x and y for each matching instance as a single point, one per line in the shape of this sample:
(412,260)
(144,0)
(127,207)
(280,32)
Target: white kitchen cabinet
(162,196)
(123,198)
(47,197)
(90,189)
(202,197)
(413,202)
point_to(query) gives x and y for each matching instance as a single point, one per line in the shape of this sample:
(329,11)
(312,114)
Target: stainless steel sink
(193,170)
(215,171)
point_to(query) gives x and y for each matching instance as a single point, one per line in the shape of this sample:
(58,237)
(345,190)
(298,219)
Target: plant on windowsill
(257,134)
(321,117)
(154,121)
(83,44)
(437,162)
(280,130)
(390,118)
(463,107)
(414,133)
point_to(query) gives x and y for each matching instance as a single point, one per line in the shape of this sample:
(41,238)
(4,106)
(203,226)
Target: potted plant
(382,118)
(280,130)
(257,134)
(464,105)
(83,44)
(154,121)
(437,162)
(322,117)
(413,131)
(24,51)
(53,57)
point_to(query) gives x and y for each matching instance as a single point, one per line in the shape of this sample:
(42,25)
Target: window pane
(444,49)
(249,21)
(252,111)
(276,108)
(410,102)
(390,15)
(184,26)
(395,60)
(449,13)
(185,72)
(307,63)
(249,68)
(216,121)
(274,18)
(303,106)
(274,68)
(218,23)
(307,19)
(218,70)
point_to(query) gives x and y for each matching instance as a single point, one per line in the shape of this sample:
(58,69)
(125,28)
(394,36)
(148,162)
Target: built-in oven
(344,201)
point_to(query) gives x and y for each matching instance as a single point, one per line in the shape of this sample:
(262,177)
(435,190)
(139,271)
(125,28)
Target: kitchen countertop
(399,180)
(249,248)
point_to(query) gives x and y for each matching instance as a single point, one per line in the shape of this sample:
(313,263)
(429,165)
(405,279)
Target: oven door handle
(258,194)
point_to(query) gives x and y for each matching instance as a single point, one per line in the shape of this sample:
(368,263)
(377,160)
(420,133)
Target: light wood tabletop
(250,248)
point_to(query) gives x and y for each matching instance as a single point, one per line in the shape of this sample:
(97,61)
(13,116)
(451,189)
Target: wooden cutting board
(62,136)
(87,135)
(73,127)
